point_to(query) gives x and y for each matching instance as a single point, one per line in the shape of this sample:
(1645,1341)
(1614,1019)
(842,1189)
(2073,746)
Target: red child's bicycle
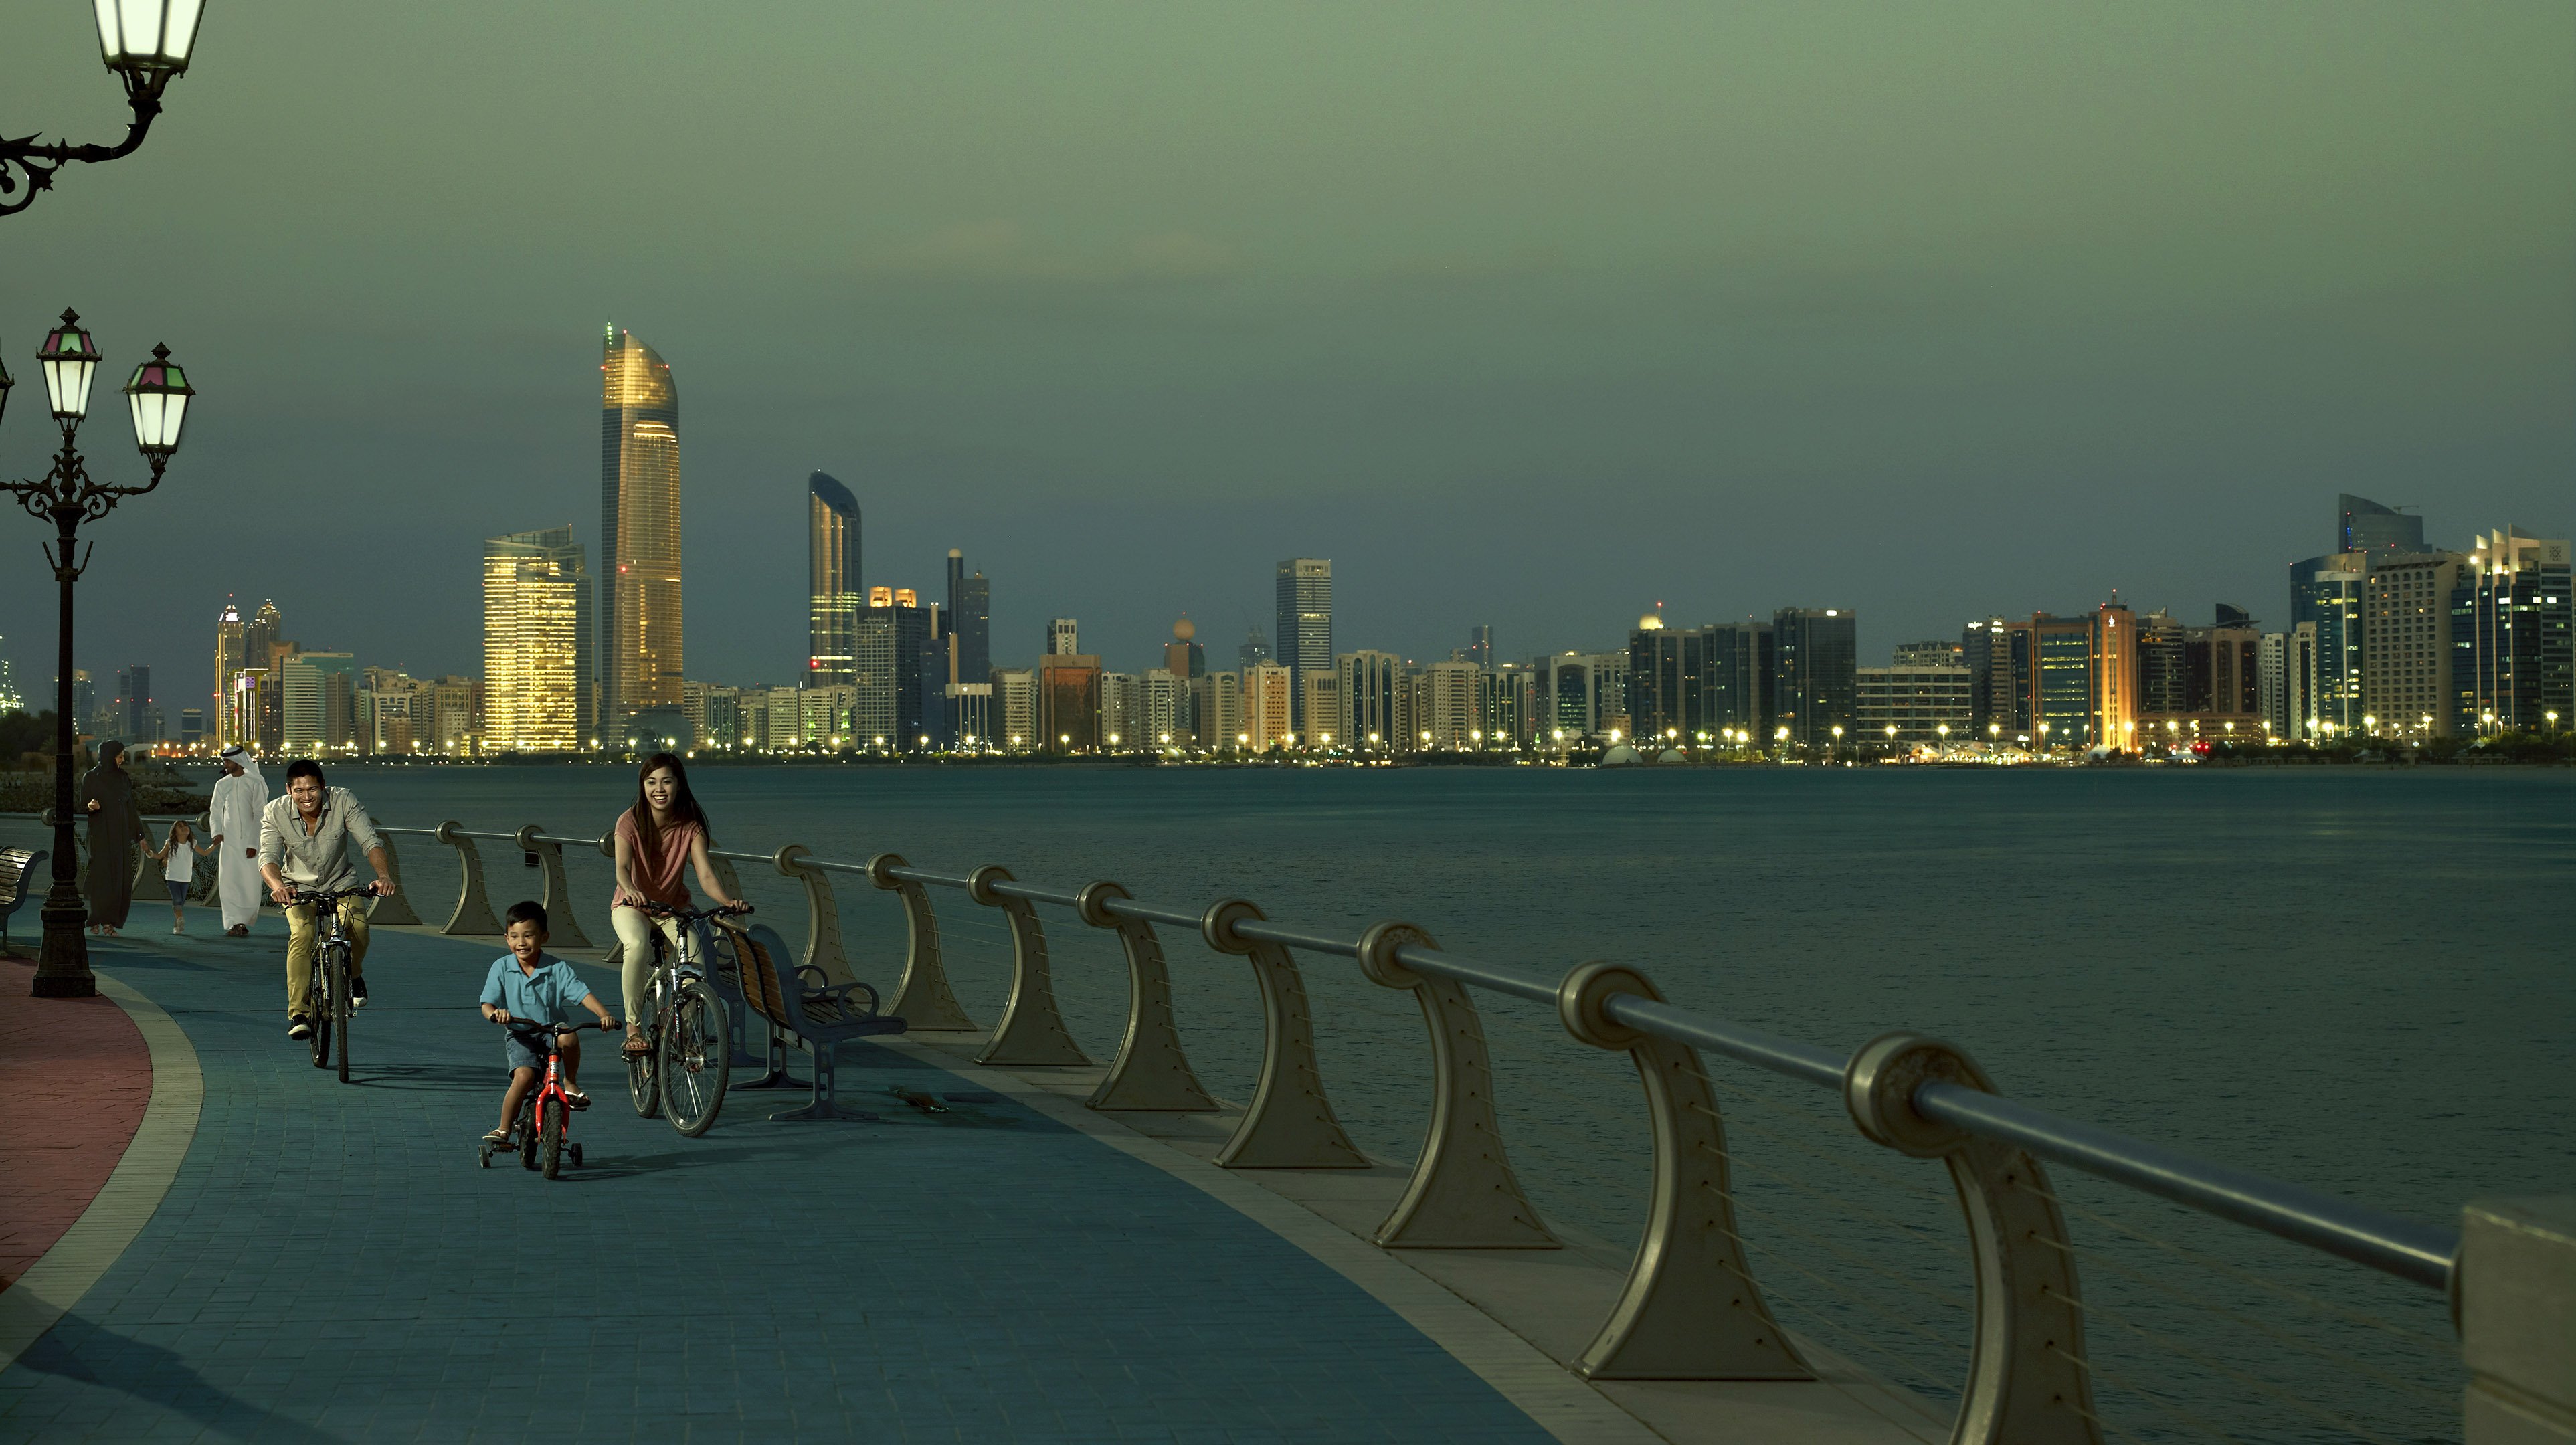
(543,1115)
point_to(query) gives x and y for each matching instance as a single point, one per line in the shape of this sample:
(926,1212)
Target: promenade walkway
(329,1264)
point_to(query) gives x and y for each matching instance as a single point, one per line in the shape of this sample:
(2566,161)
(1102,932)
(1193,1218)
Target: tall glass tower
(970,616)
(639,481)
(1305,624)
(832,572)
(228,663)
(2362,525)
(537,670)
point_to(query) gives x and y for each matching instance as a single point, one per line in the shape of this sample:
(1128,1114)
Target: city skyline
(1636,312)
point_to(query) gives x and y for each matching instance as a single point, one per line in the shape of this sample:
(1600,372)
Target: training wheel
(483,1152)
(576,1156)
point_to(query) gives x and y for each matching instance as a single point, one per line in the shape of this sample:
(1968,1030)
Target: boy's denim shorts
(522,1054)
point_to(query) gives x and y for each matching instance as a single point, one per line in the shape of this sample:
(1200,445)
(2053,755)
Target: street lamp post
(146,43)
(157,394)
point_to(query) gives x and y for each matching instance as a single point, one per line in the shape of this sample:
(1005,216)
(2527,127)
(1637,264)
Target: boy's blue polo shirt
(550,995)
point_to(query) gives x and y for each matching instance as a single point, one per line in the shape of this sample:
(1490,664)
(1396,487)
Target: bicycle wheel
(643,1078)
(321,1013)
(340,1005)
(697,1058)
(528,1135)
(550,1140)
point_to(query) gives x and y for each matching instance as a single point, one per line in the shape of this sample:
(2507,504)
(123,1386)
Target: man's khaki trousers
(301,936)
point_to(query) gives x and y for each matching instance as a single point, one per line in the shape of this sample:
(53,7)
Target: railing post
(1151,1071)
(1291,1124)
(2027,1380)
(473,916)
(1031,1032)
(396,909)
(1463,1194)
(562,928)
(923,998)
(822,915)
(2514,1293)
(1691,1309)
(616,952)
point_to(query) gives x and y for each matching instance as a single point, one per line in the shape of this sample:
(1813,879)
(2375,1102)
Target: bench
(17,865)
(805,1009)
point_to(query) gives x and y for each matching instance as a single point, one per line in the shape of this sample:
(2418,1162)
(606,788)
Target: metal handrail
(1911,1093)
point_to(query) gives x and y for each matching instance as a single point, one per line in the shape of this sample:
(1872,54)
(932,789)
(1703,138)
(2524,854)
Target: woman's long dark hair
(684,808)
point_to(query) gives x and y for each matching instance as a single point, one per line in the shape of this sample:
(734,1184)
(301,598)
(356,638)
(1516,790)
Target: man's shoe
(299,1027)
(238,930)
(357,992)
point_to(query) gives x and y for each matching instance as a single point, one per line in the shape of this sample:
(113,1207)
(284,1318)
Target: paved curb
(56,1282)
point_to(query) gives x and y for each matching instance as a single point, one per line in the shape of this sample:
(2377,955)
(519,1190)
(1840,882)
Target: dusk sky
(1530,316)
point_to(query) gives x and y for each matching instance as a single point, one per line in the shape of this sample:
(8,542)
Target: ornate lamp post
(158,396)
(146,43)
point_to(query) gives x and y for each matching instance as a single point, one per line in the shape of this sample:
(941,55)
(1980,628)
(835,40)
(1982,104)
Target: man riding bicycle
(304,842)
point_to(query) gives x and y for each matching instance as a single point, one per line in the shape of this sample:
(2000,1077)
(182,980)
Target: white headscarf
(248,762)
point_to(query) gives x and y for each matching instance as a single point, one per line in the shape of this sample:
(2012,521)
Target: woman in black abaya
(115,831)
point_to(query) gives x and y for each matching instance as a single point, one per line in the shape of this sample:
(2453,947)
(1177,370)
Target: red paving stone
(74,1077)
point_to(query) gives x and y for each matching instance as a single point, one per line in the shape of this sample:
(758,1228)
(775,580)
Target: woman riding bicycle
(658,841)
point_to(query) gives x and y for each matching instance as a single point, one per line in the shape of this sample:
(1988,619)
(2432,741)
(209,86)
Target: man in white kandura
(240,794)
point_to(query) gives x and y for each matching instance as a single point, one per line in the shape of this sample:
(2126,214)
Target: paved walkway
(330,1264)
(74,1076)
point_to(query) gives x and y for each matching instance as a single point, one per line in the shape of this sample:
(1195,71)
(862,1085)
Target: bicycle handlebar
(691,915)
(327,897)
(532,1027)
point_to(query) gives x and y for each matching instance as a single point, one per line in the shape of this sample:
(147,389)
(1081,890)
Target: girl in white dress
(178,859)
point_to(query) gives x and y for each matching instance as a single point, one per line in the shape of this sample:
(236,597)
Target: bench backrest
(760,987)
(15,865)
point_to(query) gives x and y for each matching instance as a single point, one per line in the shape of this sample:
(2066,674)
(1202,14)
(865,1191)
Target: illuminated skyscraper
(228,664)
(970,616)
(2362,525)
(1305,623)
(832,574)
(639,474)
(537,669)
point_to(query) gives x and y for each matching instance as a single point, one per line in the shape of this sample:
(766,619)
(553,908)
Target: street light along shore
(157,395)
(145,43)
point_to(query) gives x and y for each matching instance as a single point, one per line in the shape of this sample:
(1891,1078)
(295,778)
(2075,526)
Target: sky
(1529,316)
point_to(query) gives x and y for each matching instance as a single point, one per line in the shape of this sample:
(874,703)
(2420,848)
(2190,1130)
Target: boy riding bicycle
(529,984)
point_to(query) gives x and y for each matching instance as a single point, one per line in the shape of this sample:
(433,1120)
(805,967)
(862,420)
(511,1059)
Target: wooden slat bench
(804,1009)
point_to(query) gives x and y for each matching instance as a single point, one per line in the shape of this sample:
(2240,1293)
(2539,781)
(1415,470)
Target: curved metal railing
(1690,1308)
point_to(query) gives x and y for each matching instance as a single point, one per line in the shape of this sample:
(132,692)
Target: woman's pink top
(663,879)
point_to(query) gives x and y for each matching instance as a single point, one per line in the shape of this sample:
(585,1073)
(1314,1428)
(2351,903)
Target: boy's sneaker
(299,1027)
(357,992)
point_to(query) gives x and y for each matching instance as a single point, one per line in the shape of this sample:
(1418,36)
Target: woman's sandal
(636,1046)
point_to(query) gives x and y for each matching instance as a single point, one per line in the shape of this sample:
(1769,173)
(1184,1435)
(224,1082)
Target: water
(2356,979)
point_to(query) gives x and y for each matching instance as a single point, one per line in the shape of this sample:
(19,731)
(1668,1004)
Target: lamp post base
(62,969)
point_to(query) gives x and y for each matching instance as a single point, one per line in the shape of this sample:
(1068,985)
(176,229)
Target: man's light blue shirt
(550,995)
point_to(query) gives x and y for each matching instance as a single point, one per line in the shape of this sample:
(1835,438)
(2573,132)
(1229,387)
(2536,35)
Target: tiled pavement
(73,1079)
(331,1265)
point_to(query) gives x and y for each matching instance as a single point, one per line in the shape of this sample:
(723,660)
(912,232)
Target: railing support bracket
(1291,1123)
(1152,1073)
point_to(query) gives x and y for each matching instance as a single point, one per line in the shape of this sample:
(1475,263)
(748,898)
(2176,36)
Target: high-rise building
(2272,684)
(1320,724)
(84,701)
(1369,685)
(1726,681)
(2515,637)
(888,641)
(1305,596)
(1254,648)
(134,720)
(10,701)
(1453,710)
(1063,637)
(1216,705)
(638,652)
(1998,658)
(192,727)
(2160,665)
(1814,652)
(1269,705)
(2328,591)
(537,641)
(1932,653)
(1184,656)
(1122,712)
(2407,660)
(1480,645)
(970,615)
(2085,679)
(832,580)
(2365,526)
(1015,708)
(228,661)
(1164,696)
(264,647)
(1658,685)
(1069,702)
(1923,702)
(1586,693)
(321,701)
